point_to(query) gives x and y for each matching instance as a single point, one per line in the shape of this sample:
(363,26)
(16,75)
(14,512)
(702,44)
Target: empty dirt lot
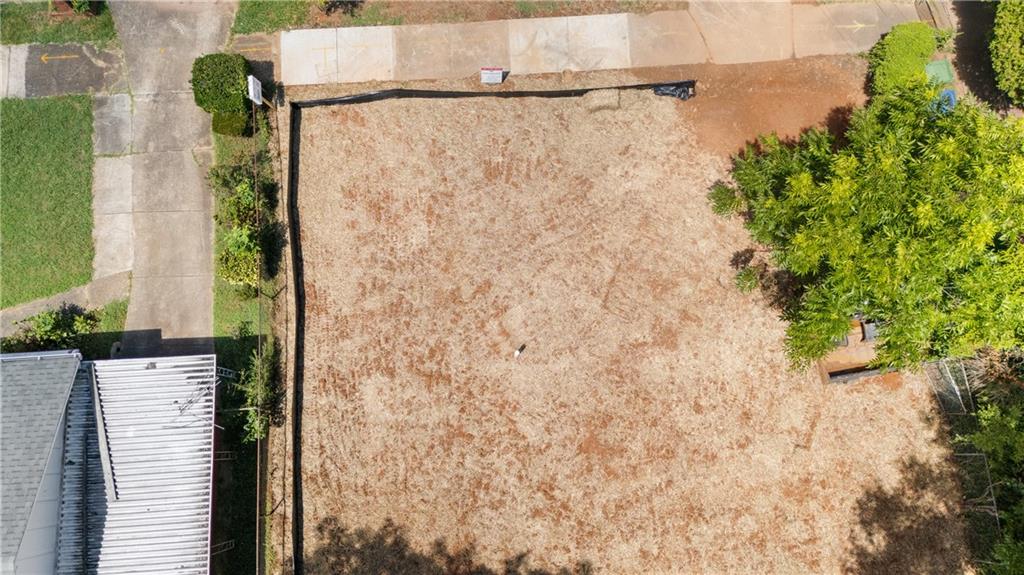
(651,424)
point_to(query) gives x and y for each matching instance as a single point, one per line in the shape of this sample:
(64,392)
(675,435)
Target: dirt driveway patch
(650,425)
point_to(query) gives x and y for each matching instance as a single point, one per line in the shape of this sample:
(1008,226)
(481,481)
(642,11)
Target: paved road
(171,305)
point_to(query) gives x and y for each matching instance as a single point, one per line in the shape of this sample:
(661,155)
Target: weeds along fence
(954,384)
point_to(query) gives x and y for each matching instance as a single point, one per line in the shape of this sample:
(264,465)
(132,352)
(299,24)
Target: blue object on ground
(946,101)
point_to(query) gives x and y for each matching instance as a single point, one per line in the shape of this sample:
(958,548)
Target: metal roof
(34,390)
(148,463)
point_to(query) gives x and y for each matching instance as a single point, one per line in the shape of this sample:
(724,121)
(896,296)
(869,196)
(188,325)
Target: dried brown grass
(651,425)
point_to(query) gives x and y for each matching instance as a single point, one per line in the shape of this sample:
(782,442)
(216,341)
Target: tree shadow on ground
(362,551)
(837,122)
(781,288)
(914,527)
(973,62)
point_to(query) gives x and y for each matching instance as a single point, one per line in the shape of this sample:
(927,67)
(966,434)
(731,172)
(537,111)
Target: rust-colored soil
(651,424)
(738,102)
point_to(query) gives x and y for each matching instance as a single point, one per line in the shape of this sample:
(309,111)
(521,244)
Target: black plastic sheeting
(683,90)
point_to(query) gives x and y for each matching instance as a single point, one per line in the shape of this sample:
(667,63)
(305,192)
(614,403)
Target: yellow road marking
(46,57)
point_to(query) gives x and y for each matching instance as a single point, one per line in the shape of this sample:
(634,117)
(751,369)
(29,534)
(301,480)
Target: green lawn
(46,199)
(269,15)
(30,22)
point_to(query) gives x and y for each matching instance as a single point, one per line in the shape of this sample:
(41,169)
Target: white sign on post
(492,75)
(255,90)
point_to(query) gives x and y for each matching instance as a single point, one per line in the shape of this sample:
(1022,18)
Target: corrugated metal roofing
(34,389)
(83,491)
(157,417)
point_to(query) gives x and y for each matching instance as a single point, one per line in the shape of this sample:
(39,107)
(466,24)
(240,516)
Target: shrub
(219,84)
(747,279)
(230,124)
(62,328)
(899,58)
(239,257)
(1007,50)
(260,384)
(241,207)
(724,200)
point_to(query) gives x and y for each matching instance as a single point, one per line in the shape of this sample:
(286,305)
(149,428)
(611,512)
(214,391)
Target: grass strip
(31,23)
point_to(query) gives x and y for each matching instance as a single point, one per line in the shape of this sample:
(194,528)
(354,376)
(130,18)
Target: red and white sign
(492,75)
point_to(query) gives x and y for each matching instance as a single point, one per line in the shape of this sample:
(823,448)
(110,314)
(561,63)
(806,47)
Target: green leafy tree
(1007,49)
(916,223)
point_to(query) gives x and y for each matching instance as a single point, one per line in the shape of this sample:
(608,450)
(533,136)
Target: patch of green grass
(269,15)
(235,322)
(533,8)
(109,331)
(372,15)
(46,200)
(30,22)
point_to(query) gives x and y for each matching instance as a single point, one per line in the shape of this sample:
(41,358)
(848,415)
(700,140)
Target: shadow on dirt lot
(909,528)
(386,550)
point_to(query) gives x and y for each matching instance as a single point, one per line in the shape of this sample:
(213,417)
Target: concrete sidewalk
(170,207)
(718,32)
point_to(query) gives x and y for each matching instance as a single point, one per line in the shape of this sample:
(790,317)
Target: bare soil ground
(651,424)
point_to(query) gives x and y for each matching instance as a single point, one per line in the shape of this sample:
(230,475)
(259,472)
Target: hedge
(230,124)
(1007,50)
(219,83)
(899,58)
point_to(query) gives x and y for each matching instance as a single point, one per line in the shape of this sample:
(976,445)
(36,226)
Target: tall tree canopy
(916,222)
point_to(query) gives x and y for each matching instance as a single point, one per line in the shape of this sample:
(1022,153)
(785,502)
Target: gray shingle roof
(34,389)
